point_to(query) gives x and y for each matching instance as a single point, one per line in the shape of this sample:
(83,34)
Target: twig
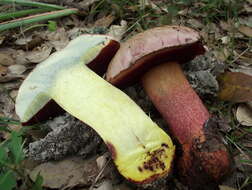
(241,54)
(99,175)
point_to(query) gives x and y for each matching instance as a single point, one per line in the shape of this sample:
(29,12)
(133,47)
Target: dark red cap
(152,47)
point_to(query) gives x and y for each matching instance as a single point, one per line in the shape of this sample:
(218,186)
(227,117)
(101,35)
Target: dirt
(66,136)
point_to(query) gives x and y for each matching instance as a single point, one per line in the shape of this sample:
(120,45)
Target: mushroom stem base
(204,159)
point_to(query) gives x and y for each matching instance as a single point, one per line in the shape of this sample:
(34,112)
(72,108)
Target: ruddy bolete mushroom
(155,56)
(64,77)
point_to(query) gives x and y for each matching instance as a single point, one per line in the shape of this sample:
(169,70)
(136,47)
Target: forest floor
(226,29)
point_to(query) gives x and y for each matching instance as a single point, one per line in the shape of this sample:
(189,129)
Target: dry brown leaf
(17,69)
(67,173)
(6,59)
(235,87)
(225,39)
(87,3)
(117,31)
(39,54)
(1,39)
(6,103)
(13,94)
(222,55)
(20,58)
(104,21)
(23,41)
(6,76)
(10,77)
(3,71)
(156,5)
(195,23)
(36,56)
(224,187)
(244,114)
(227,26)
(105,185)
(243,69)
(29,42)
(123,186)
(58,39)
(246,30)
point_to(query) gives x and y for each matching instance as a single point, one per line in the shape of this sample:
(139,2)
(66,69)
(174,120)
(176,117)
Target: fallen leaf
(66,173)
(39,54)
(87,3)
(247,8)
(242,166)
(228,25)
(105,185)
(224,187)
(101,161)
(58,39)
(1,39)
(29,42)
(122,186)
(195,23)
(244,114)
(157,5)
(104,21)
(243,69)
(36,55)
(235,87)
(117,31)
(23,41)
(20,58)
(242,59)
(17,69)
(10,77)
(7,105)
(5,76)
(247,21)
(222,54)
(6,59)
(246,30)
(225,39)
(3,71)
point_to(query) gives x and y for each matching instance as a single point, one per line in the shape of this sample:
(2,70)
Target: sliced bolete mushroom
(64,77)
(155,56)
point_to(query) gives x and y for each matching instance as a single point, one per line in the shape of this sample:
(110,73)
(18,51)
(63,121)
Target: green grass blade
(7,118)
(7,180)
(36,18)
(17,14)
(31,4)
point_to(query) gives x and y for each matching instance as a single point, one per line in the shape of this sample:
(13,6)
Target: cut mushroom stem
(203,152)
(141,150)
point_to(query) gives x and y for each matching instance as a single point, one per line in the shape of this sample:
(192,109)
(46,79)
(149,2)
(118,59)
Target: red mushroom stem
(203,153)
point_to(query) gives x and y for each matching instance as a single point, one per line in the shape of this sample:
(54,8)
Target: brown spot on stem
(112,150)
(140,169)
(164,145)
(154,161)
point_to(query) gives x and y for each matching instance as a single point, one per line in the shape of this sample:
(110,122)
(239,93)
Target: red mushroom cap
(152,47)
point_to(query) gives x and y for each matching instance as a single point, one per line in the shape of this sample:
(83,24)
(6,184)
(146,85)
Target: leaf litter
(32,47)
